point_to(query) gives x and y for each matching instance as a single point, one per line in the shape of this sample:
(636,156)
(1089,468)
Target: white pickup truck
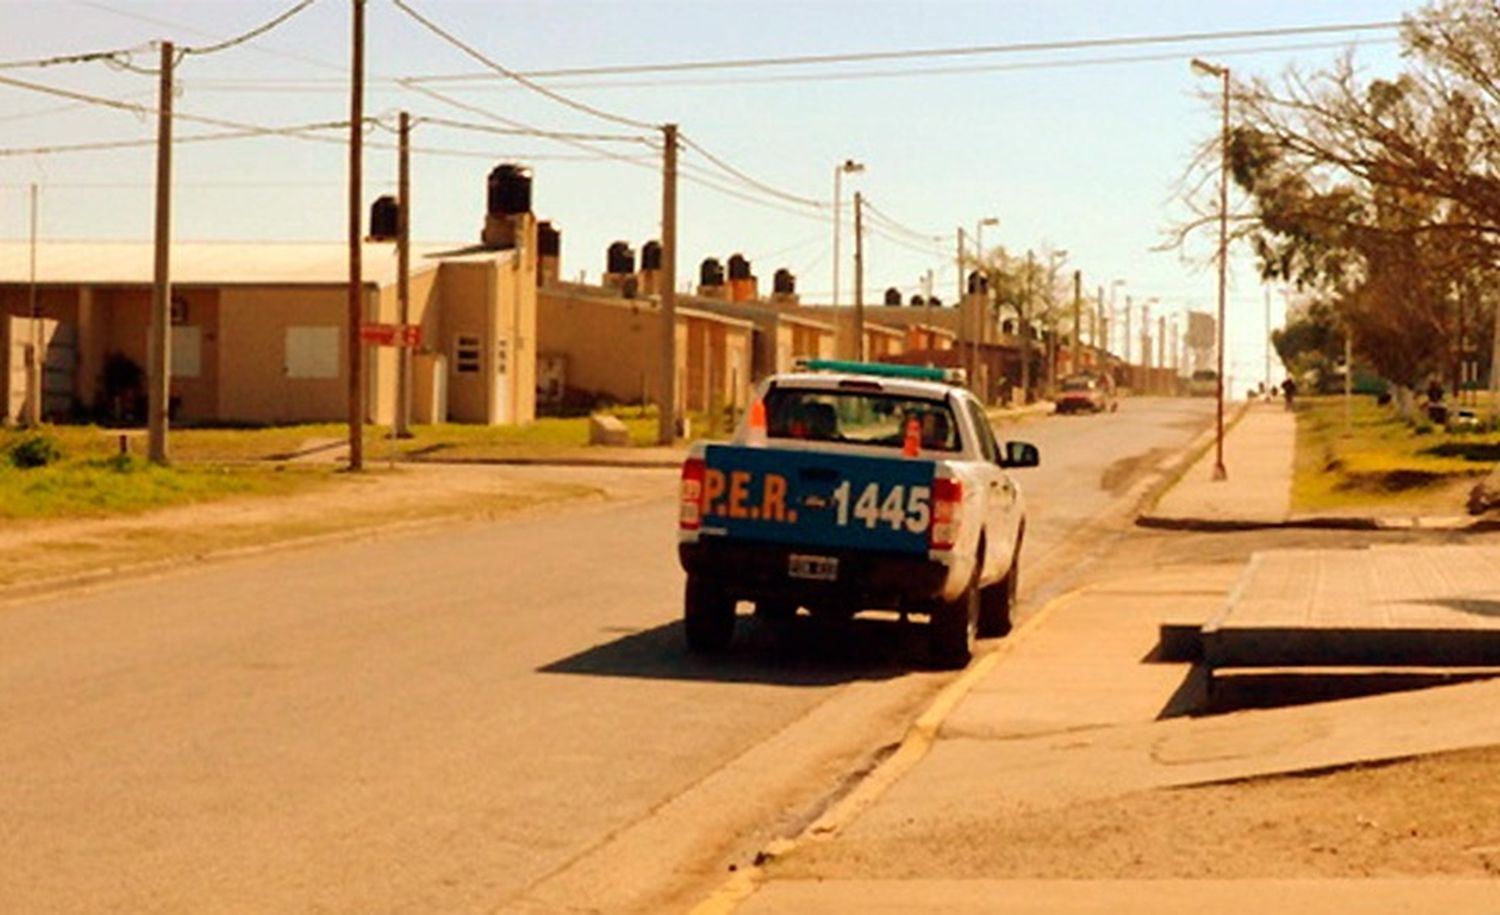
(850,487)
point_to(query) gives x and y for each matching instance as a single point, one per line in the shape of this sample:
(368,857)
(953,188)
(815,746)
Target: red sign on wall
(407,335)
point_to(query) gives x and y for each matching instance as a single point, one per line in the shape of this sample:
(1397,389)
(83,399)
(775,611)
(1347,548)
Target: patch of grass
(1381,462)
(94,487)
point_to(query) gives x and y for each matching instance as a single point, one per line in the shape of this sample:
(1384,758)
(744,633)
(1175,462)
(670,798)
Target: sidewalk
(1258,453)
(1070,710)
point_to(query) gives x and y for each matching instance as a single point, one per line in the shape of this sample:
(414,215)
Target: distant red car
(1085,394)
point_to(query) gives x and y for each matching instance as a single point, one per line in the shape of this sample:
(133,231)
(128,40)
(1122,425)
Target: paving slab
(1259,452)
(1117,897)
(1093,662)
(1398,605)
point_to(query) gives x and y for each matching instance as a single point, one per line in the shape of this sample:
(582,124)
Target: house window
(312,352)
(466,354)
(187,351)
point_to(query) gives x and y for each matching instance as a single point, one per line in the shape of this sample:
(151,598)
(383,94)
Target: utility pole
(958,263)
(1268,336)
(1025,331)
(1222,73)
(859,278)
(1161,345)
(1126,354)
(403,275)
(1075,364)
(158,395)
(34,371)
(666,418)
(1101,332)
(356,266)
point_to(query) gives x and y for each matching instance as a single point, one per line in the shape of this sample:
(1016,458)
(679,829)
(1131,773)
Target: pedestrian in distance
(1289,393)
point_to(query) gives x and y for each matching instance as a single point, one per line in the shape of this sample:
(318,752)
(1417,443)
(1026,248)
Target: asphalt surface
(491,717)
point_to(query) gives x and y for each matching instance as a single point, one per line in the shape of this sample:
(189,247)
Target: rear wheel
(998,600)
(708,615)
(952,630)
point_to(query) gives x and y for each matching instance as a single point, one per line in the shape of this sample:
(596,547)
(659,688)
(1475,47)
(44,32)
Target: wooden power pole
(356,267)
(159,359)
(859,277)
(403,277)
(666,420)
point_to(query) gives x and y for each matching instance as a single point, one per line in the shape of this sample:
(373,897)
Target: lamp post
(846,167)
(1204,68)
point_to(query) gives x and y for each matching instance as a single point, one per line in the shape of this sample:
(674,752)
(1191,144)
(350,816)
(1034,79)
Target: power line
(925,53)
(886,219)
(250,35)
(177,26)
(114,56)
(746,179)
(104,145)
(513,75)
(530,132)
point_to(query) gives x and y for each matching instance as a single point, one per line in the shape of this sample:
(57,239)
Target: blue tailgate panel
(817,499)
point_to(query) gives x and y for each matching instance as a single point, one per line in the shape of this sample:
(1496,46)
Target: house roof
(219,263)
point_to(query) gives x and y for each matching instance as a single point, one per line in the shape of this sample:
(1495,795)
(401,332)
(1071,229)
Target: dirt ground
(56,549)
(1431,816)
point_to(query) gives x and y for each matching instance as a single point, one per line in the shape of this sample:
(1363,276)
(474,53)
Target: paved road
(494,717)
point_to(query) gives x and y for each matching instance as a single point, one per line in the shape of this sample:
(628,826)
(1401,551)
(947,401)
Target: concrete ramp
(1433,606)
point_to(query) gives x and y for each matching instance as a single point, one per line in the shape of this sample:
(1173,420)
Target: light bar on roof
(884,370)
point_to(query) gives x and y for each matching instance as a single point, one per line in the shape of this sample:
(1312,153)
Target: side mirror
(1020,454)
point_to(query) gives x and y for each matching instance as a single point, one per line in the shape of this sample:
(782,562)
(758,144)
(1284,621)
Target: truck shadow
(797,652)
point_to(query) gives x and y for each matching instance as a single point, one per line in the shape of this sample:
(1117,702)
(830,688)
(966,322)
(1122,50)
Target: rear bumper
(866,581)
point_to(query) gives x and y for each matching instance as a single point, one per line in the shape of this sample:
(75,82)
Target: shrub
(34,450)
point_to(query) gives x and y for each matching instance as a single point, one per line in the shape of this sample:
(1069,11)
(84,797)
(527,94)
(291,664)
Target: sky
(1075,150)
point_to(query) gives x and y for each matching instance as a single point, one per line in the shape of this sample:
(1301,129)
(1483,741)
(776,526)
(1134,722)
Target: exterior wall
(467,297)
(253,368)
(611,348)
(517,323)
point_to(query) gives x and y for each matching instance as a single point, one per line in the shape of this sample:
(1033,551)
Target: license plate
(815,568)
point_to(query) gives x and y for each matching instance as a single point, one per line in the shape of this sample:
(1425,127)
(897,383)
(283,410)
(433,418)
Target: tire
(775,610)
(708,616)
(953,628)
(998,601)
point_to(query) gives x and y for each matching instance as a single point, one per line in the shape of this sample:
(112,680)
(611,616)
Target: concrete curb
(628,464)
(1317,522)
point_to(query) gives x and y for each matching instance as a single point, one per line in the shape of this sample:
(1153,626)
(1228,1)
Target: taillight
(947,514)
(690,515)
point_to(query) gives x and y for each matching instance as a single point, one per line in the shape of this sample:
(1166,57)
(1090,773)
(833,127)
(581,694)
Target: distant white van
(1204,383)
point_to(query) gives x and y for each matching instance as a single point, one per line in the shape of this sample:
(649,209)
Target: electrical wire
(81,58)
(530,132)
(517,77)
(741,176)
(179,27)
(250,35)
(104,145)
(891,223)
(927,53)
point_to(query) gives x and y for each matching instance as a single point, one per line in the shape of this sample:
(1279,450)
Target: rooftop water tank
(509,190)
(711,272)
(783,282)
(739,268)
(385,219)
(651,255)
(548,240)
(893,296)
(620,258)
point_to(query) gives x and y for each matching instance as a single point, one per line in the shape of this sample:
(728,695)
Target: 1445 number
(901,507)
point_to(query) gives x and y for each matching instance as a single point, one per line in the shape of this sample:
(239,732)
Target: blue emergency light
(883,370)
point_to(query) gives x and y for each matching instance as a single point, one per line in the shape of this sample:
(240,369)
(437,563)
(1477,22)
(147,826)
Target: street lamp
(1204,68)
(846,167)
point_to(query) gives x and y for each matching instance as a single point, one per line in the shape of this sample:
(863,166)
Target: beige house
(260,332)
(594,341)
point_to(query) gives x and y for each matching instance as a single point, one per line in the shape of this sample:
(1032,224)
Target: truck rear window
(858,418)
